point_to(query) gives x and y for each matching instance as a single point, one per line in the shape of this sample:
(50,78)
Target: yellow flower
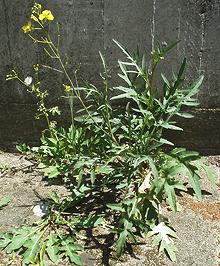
(27,28)
(47,15)
(67,88)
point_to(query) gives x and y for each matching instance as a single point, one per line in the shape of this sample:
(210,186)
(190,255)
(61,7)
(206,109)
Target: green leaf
(177,151)
(187,103)
(5,239)
(177,169)
(42,253)
(33,245)
(4,202)
(51,171)
(122,48)
(162,235)
(164,141)
(121,243)
(116,207)
(182,68)
(210,175)
(171,196)
(71,251)
(55,197)
(169,126)
(150,161)
(185,115)
(92,221)
(125,78)
(194,88)
(128,93)
(20,237)
(194,179)
(52,248)
(165,80)
(169,47)
(80,178)
(93,177)
(170,249)
(188,156)
(144,63)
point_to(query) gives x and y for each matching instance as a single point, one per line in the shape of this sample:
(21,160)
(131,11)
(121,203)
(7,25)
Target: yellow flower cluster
(67,88)
(37,15)
(46,15)
(27,28)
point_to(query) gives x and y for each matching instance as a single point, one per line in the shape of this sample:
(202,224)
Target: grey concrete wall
(88,26)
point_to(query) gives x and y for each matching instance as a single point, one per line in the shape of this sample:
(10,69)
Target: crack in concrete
(103,25)
(153,26)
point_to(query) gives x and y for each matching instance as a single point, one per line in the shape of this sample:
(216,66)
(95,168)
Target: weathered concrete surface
(89,26)
(197,224)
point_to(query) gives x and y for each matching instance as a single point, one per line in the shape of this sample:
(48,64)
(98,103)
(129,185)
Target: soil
(197,224)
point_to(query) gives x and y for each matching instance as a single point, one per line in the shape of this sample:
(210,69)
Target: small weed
(4,202)
(4,168)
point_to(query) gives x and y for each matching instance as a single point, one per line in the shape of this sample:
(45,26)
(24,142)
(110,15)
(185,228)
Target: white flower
(40,209)
(28,81)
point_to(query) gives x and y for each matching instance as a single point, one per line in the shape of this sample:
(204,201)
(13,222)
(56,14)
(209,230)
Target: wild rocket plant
(113,149)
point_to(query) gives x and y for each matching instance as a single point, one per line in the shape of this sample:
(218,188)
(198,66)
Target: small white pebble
(40,209)
(28,81)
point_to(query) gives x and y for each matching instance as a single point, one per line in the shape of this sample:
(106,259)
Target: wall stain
(7,30)
(206,6)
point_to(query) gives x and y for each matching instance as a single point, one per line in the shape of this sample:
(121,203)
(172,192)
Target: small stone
(41,209)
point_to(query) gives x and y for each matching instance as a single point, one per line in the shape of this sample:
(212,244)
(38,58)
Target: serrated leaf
(171,196)
(71,251)
(5,239)
(121,243)
(194,179)
(52,249)
(170,249)
(210,175)
(177,169)
(33,245)
(51,171)
(19,239)
(158,185)
(162,237)
(92,221)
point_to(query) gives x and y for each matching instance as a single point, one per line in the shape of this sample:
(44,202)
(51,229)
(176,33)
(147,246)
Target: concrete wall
(88,26)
